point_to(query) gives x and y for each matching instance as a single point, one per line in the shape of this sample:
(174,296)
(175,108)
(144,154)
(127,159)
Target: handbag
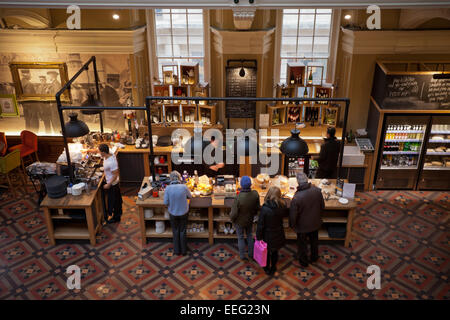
(260,252)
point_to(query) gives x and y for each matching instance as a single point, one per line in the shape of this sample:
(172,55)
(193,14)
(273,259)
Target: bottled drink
(195,178)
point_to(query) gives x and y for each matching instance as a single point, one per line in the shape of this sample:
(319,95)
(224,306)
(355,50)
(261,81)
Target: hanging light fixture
(75,128)
(242,71)
(91,100)
(294,146)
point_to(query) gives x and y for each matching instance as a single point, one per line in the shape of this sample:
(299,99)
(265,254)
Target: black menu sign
(410,91)
(238,86)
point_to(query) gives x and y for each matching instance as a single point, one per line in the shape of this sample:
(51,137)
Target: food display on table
(202,187)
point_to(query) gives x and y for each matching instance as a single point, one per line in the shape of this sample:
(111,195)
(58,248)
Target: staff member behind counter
(212,170)
(328,157)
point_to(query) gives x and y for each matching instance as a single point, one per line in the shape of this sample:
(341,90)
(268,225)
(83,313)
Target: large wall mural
(41,116)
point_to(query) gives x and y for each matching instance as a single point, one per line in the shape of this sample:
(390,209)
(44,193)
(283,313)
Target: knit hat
(246,182)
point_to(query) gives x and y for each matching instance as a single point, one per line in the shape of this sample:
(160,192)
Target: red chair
(3,144)
(28,147)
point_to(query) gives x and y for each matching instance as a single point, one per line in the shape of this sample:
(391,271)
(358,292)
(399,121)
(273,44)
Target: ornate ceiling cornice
(242,42)
(69,41)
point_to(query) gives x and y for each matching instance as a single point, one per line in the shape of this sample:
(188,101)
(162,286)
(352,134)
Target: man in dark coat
(305,218)
(328,157)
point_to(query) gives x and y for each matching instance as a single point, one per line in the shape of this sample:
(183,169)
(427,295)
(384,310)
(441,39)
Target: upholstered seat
(28,147)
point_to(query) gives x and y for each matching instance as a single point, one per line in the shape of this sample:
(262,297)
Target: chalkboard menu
(238,86)
(410,91)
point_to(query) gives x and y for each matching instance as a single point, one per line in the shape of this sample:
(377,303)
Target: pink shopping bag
(260,252)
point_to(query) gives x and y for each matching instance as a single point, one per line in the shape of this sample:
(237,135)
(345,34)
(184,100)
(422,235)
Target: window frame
(332,45)
(153,46)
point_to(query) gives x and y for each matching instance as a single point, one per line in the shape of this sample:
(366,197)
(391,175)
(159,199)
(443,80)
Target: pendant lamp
(75,128)
(91,101)
(294,146)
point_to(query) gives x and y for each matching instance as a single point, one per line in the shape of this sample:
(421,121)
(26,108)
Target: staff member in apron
(212,170)
(112,188)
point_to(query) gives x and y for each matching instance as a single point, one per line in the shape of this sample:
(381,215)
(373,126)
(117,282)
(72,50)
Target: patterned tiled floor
(406,234)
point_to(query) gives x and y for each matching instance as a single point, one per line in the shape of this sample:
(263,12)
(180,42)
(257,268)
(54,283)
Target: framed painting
(8,105)
(39,81)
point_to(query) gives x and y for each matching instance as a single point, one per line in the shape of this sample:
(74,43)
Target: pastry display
(262,178)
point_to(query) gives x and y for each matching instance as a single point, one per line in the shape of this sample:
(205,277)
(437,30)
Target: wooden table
(61,225)
(334,212)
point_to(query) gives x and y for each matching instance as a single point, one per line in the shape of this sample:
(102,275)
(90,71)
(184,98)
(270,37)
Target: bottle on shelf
(195,178)
(310,77)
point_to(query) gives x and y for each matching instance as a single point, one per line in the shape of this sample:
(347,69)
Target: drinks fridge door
(400,151)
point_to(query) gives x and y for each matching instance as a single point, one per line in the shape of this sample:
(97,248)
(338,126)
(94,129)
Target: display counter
(211,212)
(74,217)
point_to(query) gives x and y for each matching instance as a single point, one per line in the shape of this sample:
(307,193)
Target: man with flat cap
(110,98)
(30,109)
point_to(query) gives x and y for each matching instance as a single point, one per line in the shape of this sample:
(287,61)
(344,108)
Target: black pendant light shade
(75,128)
(294,146)
(91,101)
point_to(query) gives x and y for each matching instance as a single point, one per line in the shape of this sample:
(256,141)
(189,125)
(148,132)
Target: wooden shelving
(210,217)
(71,231)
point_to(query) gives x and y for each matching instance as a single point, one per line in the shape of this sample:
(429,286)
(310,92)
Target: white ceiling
(226,3)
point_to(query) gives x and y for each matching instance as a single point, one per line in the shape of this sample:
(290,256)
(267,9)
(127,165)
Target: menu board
(410,91)
(237,86)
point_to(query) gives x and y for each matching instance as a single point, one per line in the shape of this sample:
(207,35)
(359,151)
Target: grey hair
(175,176)
(302,178)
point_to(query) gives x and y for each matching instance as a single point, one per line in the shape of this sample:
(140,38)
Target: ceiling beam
(217,4)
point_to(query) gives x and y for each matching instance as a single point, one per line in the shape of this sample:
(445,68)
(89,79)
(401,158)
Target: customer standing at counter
(328,157)
(176,198)
(111,169)
(270,227)
(245,208)
(305,218)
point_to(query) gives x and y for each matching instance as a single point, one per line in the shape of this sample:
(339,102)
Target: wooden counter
(62,226)
(213,208)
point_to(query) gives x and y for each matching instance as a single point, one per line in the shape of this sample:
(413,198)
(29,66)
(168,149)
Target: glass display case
(400,152)
(435,173)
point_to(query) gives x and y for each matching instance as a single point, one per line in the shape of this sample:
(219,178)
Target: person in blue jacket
(176,198)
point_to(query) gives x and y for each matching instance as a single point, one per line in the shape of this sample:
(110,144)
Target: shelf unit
(206,112)
(402,140)
(438,153)
(185,84)
(439,141)
(401,152)
(277,115)
(88,208)
(398,168)
(290,108)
